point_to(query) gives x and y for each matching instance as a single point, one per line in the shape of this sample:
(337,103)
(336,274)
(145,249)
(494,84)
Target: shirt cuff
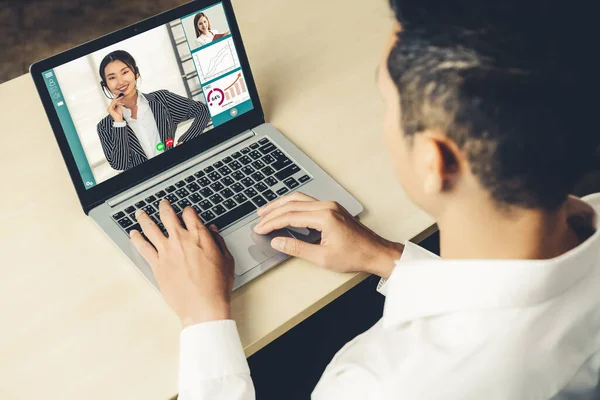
(411,252)
(210,350)
(121,124)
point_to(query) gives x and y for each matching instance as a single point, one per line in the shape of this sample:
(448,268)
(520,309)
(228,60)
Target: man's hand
(346,244)
(193,267)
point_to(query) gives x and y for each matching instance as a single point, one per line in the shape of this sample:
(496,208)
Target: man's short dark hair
(499,79)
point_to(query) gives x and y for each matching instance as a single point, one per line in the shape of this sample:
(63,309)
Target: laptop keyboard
(226,191)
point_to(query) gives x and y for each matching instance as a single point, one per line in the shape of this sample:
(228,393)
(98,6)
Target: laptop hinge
(134,191)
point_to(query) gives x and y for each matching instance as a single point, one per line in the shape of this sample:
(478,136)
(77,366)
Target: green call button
(160,146)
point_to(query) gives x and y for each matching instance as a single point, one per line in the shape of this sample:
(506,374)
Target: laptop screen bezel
(92,197)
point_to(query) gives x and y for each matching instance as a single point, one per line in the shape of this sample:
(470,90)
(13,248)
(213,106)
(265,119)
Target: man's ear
(443,160)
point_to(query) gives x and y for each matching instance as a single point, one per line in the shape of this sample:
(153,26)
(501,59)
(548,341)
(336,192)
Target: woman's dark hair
(117,55)
(504,80)
(196,19)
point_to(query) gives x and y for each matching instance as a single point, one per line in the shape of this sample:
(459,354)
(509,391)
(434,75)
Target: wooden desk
(79,322)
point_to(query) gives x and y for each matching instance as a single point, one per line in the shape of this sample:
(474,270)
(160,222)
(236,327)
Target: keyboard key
(156,204)
(216,199)
(258,164)
(170,189)
(227,160)
(199,174)
(130,209)
(282,191)
(234,215)
(257,176)
(190,179)
(132,217)
(229,204)
(176,208)
(226,193)
(217,186)
(304,178)
(263,141)
(193,187)
(254,146)
(205,204)
(155,219)
(250,192)
(247,182)
(259,201)
(125,222)
(227,181)
(206,192)
(266,149)
(245,160)
(281,163)
(236,155)
(197,209)
(237,187)
(209,169)
(195,198)
(118,215)
(182,193)
(245,150)
(255,155)
(271,181)
(204,181)
(268,159)
(240,198)
(269,195)
(207,216)
(160,194)
(235,165)
(268,171)
(260,187)
(248,170)
(286,172)
(219,210)
(238,175)
(218,164)
(214,176)
(291,183)
(184,203)
(225,170)
(149,209)
(150,199)
(140,204)
(172,198)
(137,227)
(180,184)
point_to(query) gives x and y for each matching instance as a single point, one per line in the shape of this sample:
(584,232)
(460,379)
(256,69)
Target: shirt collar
(426,288)
(142,103)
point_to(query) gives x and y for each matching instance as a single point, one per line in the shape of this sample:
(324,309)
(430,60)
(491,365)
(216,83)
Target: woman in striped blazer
(141,126)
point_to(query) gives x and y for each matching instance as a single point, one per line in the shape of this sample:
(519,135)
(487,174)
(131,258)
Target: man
(482,127)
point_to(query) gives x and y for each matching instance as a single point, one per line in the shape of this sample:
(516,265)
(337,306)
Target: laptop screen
(144,96)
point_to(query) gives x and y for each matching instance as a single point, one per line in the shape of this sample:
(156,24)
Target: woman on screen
(141,126)
(204,33)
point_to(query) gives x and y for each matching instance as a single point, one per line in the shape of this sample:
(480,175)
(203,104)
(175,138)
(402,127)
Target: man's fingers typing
(296,196)
(150,229)
(298,219)
(144,248)
(169,218)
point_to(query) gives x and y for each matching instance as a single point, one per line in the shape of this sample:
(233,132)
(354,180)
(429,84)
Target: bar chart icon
(237,88)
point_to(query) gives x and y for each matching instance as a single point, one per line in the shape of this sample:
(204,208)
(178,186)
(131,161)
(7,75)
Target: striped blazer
(122,147)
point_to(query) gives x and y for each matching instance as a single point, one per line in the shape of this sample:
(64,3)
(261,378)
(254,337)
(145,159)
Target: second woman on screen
(141,126)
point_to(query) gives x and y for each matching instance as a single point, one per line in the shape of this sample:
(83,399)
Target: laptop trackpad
(249,248)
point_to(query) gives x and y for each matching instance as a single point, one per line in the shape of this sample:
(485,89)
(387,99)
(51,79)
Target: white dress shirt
(204,39)
(451,329)
(144,126)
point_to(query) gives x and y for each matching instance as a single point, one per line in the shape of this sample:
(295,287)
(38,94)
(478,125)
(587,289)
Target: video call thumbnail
(146,95)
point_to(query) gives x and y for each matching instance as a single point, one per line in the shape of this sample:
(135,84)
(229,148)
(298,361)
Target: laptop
(198,136)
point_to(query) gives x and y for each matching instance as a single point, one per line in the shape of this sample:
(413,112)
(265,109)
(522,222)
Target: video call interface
(144,96)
